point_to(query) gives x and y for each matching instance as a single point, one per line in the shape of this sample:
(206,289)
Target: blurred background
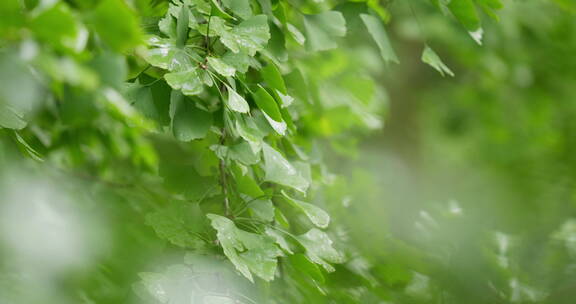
(475,174)
(466,194)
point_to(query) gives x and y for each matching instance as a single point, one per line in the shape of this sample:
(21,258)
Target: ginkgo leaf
(276,47)
(241,152)
(286,100)
(279,238)
(188,122)
(490,7)
(167,55)
(248,37)
(249,131)
(240,61)
(236,102)
(142,99)
(245,183)
(378,33)
(220,67)
(273,78)
(167,26)
(182,26)
(178,223)
(219,10)
(267,104)
(279,170)
(249,252)
(465,12)
(188,82)
(175,10)
(116,24)
(240,8)
(227,235)
(10,118)
(296,34)
(304,265)
(319,249)
(316,215)
(218,27)
(262,209)
(323,29)
(278,126)
(162,55)
(19,92)
(58,21)
(430,57)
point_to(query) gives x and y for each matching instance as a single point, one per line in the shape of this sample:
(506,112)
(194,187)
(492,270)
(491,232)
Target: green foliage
(213,135)
(430,57)
(378,33)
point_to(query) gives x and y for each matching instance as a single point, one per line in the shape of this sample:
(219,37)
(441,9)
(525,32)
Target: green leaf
(116,24)
(240,61)
(281,219)
(278,127)
(296,34)
(270,109)
(241,152)
(162,55)
(12,17)
(249,131)
(141,98)
(303,265)
(262,209)
(59,27)
(188,82)
(28,148)
(319,249)
(111,69)
(166,55)
(245,183)
(220,67)
(248,37)
(276,48)
(182,26)
(378,33)
(167,26)
(179,223)
(240,8)
(219,11)
(20,91)
(267,104)
(10,118)
(273,78)
(323,29)
(465,12)
(278,237)
(316,215)
(235,102)
(491,6)
(430,57)
(279,170)
(176,11)
(188,122)
(249,252)
(286,100)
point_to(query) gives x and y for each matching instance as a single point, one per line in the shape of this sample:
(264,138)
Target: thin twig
(208,34)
